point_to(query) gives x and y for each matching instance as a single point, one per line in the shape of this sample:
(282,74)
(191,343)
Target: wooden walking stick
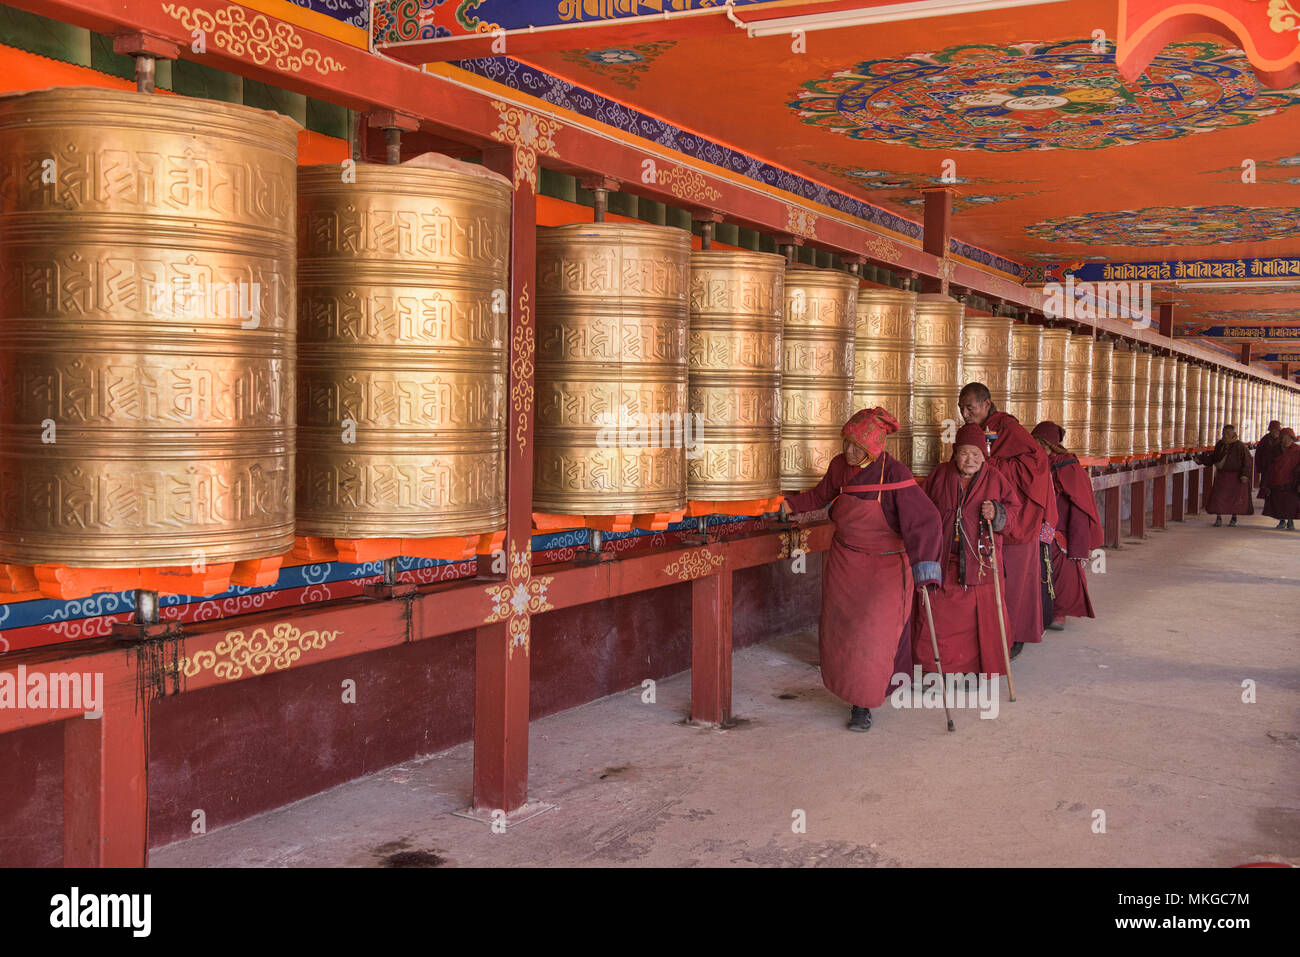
(1002,624)
(934,643)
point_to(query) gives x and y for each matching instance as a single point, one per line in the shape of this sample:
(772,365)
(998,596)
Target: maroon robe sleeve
(912,515)
(825,492)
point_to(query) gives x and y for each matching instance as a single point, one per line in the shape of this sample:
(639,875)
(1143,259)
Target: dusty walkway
(1138,714)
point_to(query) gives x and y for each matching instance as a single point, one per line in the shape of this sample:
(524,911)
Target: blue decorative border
(594,106)
(355,13)
(983,256)
(48,611)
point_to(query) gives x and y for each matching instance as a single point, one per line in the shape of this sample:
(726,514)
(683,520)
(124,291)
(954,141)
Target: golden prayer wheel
(986,354)
(612,422)
(1237,403)
(883,361)
(939,378)
(1103,355)
(1156,407)
(1192,406)
(146,330)
(816,371)
(1209,400)
(1024,399)
(734,380)
(1078,394)
(402,326)
(1052,376)
(1175,401)
(1141,403)
(1123,379)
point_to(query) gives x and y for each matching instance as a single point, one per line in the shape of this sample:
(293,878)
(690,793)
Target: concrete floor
(1138,714)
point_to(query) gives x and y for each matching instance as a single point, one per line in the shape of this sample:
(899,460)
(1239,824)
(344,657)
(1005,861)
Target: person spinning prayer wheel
(1281,483)
(882,519)
(1230,493)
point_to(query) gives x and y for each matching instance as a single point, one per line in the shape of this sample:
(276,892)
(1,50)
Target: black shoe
(860,719)
(1233,523)
(1218,520)
(1056,626)
(1016,648)
(1281,524)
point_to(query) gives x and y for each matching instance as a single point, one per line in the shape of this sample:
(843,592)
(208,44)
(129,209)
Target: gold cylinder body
(883,361)
(1192,407)
(734,378)
(1141,404)
(401,352)
(986,354)
(1209,401)
(146,330)
(1103,356)
(1179,425)
(1156,406)
(1123,390)
(816,371)
(939,379)
(1078,394)
(612,314)
(1052,376)
(1024,398)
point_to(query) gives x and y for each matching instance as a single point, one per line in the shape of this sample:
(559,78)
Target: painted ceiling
(1053,156)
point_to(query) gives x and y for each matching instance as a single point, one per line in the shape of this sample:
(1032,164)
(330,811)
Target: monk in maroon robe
(1078,527)
(970,497)
(1023,463)
(1230,493)
(1281,483)
(882,519)
(1269,447)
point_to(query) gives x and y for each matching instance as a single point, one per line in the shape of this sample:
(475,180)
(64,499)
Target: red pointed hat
(868,428)
(1290,433)
(971,434)
(1048,431)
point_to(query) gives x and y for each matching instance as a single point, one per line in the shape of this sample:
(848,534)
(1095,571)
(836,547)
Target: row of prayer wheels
(206,349)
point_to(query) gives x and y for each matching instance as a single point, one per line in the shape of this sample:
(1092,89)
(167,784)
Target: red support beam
(1137,515)
(501,662)
(711,648)
(1245,353)
(1112,517)
(105,784)
(1159,491)
(1166,319)
(1207,481)
(937,233)
(1193,493)
(1179,496)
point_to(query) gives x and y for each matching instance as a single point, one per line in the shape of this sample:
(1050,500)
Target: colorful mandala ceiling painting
(884,181)
(1228,317)
(1173,226)
(622,65)
(1037,96)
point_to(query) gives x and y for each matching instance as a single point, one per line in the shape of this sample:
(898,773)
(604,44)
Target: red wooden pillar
(1180,479)
(105,785)
(1113,504)
(1193,491)
(711,648)
(1207,482)
(1159,491)
(501,671)
(937,232)
(1137,516)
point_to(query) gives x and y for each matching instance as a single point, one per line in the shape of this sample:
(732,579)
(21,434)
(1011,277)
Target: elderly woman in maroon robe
(970,498)
(882,520)
(1230,493)
(1078,527)
(1269,447)
(1281,483)
(1023,463)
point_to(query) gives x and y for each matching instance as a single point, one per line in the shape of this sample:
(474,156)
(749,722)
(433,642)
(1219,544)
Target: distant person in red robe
(1269,448)
(1281,485)
(882,519)
(1023,463)
(969,497)
(1230,493)
(1078,527)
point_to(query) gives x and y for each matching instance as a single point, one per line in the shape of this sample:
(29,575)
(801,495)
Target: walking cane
(934,643)
(1002,624)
